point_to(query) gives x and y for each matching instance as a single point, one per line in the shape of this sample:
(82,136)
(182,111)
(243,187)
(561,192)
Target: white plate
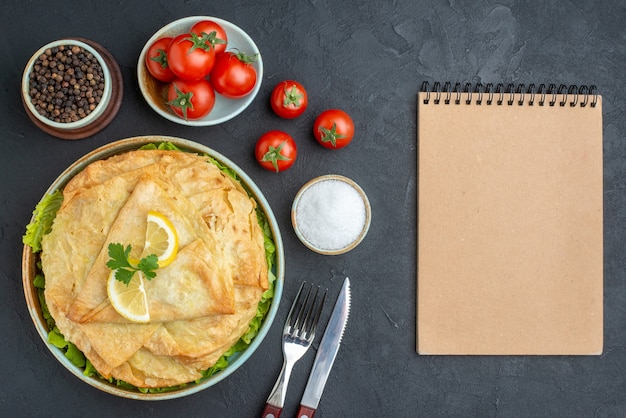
(224,109)
(29,270)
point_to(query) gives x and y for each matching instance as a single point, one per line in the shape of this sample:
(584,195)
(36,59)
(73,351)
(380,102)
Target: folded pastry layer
(199,305)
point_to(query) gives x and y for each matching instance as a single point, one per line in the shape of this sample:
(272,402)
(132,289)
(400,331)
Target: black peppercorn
(66,83)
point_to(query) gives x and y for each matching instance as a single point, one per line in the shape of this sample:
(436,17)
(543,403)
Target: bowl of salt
(331,214)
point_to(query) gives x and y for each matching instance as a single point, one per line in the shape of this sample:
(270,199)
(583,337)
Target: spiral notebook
(510,218)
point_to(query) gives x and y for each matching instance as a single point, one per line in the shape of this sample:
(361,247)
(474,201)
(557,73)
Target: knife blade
(326,353)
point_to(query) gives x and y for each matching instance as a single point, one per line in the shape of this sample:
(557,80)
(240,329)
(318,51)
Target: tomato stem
(330,135)
(292,96)
(198,42)
(182,101)
(161,59)
(211,38)
(245,58)
(274,154)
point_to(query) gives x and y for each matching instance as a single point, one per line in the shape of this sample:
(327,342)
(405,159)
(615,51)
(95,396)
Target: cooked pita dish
(199,305)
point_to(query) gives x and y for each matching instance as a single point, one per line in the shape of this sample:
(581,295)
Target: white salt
(330,214)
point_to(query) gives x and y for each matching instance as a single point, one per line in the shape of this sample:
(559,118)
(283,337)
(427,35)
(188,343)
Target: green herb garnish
(124,270)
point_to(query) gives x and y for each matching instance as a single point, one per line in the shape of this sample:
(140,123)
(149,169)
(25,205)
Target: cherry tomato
(191,99)
(189,57)
(333,128)
(214,33)
(156,60)
(289,99)
(275,151)
(233,75)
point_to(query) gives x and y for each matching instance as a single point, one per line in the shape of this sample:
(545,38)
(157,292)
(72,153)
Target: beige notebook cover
(510,217)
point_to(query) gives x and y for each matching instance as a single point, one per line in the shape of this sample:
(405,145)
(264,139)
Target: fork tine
(303,325)
(317,314)
(306,327)
(298,304)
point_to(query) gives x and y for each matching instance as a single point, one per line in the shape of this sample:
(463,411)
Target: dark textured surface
(368,58)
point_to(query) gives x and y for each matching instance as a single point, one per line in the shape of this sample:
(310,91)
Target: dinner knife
(326,353)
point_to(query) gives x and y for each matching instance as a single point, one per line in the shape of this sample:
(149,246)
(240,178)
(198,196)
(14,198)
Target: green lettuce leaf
(71,351)
(43,216)
(166,145)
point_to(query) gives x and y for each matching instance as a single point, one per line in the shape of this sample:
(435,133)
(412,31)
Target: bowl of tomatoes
(199,71)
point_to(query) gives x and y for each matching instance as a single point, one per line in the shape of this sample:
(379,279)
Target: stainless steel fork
(298,334)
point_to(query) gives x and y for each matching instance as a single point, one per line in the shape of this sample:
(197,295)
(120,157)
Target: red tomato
(289,99)
(275,151)
(189,57)
(214,33)
(156,60)
(191,99)
(233,75)
(333,128)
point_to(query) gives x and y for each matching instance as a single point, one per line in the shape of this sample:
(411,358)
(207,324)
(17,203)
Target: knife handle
(305,412)
(271,411)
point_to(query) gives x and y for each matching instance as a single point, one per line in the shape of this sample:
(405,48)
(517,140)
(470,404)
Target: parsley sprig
(124,270)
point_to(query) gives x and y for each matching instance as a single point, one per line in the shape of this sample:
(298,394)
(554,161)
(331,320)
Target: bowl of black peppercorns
(66,87)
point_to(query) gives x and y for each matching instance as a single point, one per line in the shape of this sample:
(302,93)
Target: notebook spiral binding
(511,94)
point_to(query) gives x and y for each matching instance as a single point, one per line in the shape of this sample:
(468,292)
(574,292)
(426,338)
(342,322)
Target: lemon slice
(130,300)
(161,238)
